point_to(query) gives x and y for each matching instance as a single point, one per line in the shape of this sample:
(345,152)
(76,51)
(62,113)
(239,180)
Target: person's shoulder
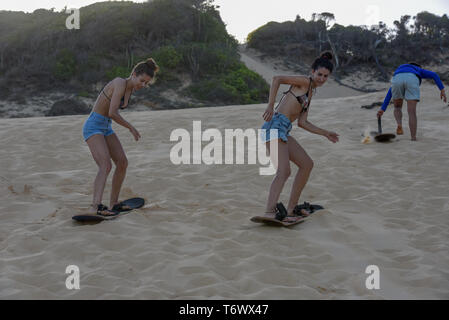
(118,80)
(118,83)
(304,77)
(305,80)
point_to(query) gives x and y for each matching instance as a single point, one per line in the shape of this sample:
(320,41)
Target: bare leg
(305,164)
(99,149)
(412,119)
(283,172)
(398,114)
(121,163)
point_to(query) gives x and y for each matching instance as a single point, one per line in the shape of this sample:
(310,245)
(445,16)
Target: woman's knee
(307,165)
(105,166)
(283,173)
(122,163)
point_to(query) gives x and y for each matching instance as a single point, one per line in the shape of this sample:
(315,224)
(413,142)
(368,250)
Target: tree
(327,18)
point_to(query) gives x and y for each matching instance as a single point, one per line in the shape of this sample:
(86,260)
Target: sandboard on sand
(275,222)
(383,137)
(133,203)
(311,208)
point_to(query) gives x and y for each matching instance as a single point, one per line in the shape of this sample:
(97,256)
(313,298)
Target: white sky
(243,16)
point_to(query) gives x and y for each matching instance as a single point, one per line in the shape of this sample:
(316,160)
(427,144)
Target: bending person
(294,105)
(101,139)
(405,85)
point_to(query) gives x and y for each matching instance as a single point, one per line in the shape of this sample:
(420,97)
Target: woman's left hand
(332,136)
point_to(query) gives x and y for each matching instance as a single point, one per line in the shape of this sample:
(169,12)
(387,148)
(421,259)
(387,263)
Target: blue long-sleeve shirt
(420,73)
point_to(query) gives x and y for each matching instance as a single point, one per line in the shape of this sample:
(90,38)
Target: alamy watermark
(73,20)
(72,282)
(373,281)
(189,149)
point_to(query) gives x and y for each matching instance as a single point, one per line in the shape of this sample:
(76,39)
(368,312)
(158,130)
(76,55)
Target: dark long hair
(324,61)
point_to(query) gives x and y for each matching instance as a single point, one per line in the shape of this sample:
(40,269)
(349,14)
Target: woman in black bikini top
(122,101)
(104,144)
(303,100)
(288,149)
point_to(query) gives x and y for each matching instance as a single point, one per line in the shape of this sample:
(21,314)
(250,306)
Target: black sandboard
(383,137)
(275,222)
(311,208)
(133,203)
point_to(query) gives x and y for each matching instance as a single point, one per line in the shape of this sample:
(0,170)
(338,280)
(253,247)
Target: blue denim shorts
(279,122)
(405,86)
(97,124)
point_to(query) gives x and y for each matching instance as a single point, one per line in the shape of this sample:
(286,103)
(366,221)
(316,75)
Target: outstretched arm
(306,125)
(385,104)
(427,74)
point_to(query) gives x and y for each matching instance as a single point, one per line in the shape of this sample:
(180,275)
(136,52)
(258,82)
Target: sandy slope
(387,205)
(269,67)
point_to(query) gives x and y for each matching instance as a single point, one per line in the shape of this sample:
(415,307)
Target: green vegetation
(65,65)
(425,41)
(185,37)
(240,85)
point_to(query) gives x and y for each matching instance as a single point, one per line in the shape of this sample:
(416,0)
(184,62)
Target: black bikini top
(303,100)
(122,101)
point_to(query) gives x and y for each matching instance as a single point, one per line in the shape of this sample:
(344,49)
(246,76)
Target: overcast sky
(243,16)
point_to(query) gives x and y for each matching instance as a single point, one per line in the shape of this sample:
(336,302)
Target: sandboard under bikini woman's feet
(281,214)
(120,209)
(281,218)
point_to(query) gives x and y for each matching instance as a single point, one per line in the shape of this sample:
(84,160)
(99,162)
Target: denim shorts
(279,122)
(97,124)
(405,86)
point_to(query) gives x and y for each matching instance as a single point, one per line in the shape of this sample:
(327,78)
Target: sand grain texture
(386,204)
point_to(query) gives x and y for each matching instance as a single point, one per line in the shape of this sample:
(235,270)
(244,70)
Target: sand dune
(386,205)
(269,67)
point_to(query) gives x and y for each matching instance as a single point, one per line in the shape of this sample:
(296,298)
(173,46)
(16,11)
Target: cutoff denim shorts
(279,122)
(97,124)
(405,86)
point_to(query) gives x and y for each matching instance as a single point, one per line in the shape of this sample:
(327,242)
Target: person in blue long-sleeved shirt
(405,85)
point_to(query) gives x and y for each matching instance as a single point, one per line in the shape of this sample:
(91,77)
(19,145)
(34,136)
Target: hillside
(41,61)
(369,53)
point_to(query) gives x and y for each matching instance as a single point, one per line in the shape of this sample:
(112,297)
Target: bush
(65,66)
(83,94)
(167,57)
(239,86)
(117,71)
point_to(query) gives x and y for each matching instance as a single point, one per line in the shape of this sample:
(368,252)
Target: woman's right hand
(268,114)
(135,133)
(380,113)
